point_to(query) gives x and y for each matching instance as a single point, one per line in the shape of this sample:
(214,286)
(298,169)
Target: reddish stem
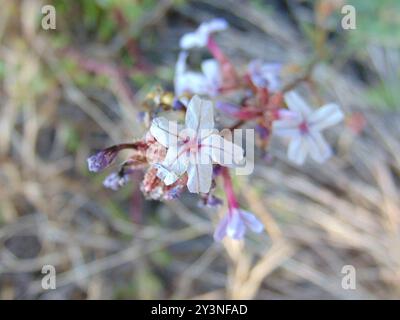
(230,195)
(216,51)
(135,145)
(137,200)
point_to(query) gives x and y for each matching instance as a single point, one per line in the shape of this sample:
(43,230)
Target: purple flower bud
(115,181)
(174,193)
(210,201)
(265,75)
(213,201)
(102,159)
(227,107)
(245,113)
(217,169)
(178,105)
(262,131)
(266,157)
(141,116)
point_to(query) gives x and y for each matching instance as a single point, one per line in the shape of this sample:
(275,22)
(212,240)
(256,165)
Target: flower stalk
(228,187)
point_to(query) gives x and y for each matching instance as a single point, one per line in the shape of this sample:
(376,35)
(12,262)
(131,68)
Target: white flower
(206,83)
(199,38)
(194,148)
(265,75)
(304,127)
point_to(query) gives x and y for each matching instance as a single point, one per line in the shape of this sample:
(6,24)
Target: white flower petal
(297,150)
(319,149)
(176,160)
(165,174)
(191,82)
(326,116)
(212,73)
(210,68)
(251,221)
(214,25)
(199,177)
(199,37)
(165,131)
(222,151)
(180,69)
(199,114)
(180,66)
(193,39)
(297,104)
(288,115)
(286,127)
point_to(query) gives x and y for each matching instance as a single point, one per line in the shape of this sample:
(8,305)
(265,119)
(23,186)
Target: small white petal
(199,114)
(297,150)
(180,66)
(165,131)
(199,37)
(319,149)
(326,116)
(214,25)
(193,82)
(190,82)
(193,39)
(176,160)
(199,177)
(288,115)
(251,221)
(180,69)
(165,174)
(297,104)
(212,73)
(223,151)
(287,127)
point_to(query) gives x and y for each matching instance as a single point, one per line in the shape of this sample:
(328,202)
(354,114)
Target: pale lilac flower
(265,75)
(234,224)
(207,82)
(194,148)
(115,180)
(304,125)
(199,38)
(262,131)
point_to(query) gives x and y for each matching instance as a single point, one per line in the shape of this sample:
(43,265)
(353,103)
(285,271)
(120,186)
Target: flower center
(303,127)
(192,145)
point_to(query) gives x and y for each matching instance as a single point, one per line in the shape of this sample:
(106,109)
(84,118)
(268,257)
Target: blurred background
(67,92)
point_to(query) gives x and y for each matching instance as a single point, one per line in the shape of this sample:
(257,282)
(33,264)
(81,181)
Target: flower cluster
(192,154)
